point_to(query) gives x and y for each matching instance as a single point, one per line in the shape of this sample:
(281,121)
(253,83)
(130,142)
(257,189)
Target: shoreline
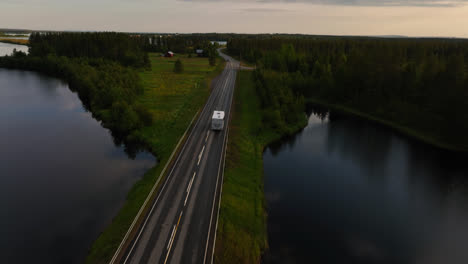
(403,130)
(242,231)
(107,241)
(244,165)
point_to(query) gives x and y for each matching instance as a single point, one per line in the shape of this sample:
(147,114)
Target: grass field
(173,99)
(242,236)
(14,41)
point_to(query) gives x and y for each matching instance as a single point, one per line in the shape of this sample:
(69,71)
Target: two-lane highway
(181,225)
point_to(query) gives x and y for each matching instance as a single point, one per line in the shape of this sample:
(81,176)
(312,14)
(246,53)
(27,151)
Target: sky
(323,17)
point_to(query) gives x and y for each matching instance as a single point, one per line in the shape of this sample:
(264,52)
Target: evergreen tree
(212,60)
(178,66)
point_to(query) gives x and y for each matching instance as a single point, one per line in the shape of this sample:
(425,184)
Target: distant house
(221,43)
(199,52)
(169,54)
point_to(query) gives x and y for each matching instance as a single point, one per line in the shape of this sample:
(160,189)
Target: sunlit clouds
(324,17)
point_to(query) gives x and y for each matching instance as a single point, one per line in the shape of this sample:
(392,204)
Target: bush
(178,66)
(212,60)
(144,114)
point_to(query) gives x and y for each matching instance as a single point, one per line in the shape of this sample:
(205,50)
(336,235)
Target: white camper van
(217,122)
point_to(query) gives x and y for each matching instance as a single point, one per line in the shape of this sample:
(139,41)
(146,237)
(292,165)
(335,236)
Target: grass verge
(242,233)
(172,99)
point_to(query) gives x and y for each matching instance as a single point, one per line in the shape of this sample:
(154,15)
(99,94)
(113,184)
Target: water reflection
(348,191)
(62,179)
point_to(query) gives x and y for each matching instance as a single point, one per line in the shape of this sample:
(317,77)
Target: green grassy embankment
(173,99)
(241,236)
(242,233)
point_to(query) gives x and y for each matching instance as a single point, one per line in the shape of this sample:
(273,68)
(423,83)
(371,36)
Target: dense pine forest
(419,86)
(111,46)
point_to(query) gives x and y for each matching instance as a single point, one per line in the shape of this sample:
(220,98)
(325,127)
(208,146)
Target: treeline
(282,108)
(420,84)
(119,47)
(186,43)
(105,84)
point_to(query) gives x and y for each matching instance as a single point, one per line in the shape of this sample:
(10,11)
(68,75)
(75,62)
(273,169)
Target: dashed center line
(172,237)
(171,241)
(200,155)
(189,187)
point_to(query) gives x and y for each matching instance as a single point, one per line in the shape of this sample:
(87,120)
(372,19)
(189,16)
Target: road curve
(181,225)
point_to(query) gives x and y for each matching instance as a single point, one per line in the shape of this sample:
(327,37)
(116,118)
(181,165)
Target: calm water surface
(347,191)
(7,48)
(62,179)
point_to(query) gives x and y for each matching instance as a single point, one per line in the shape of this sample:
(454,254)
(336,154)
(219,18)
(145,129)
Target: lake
(345,190)
(7,48)
(62,179)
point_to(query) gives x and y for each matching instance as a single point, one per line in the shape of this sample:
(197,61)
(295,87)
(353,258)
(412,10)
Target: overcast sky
(330,17)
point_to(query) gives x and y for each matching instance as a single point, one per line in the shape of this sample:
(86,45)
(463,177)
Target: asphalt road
(181,225)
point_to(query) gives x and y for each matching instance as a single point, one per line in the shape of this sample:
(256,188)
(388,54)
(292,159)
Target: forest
(418,85)
(103,75)
(119,47)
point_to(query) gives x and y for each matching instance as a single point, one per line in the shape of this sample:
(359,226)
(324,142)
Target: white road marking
(221,185)
(201,155)
(207,134)
(214,199)
(117,252)
(172,235)
(190,184)
(189,188)
(211,100)
(171,241)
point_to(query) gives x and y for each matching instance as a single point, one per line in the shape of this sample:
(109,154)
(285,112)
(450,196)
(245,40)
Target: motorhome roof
(218,115)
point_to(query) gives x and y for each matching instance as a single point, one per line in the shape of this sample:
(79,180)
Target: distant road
(181,225)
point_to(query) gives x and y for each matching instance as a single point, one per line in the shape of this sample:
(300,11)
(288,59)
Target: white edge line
(119,249)
(152,191)
(221,187)
(117,253)
(130,229)
(212,208)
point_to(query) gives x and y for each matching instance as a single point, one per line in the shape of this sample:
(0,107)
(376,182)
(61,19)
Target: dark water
(347,191)
(62,179)
(7,48)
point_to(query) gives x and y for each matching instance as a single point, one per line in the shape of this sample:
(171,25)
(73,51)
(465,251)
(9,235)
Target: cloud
(265,10)
(423,3)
